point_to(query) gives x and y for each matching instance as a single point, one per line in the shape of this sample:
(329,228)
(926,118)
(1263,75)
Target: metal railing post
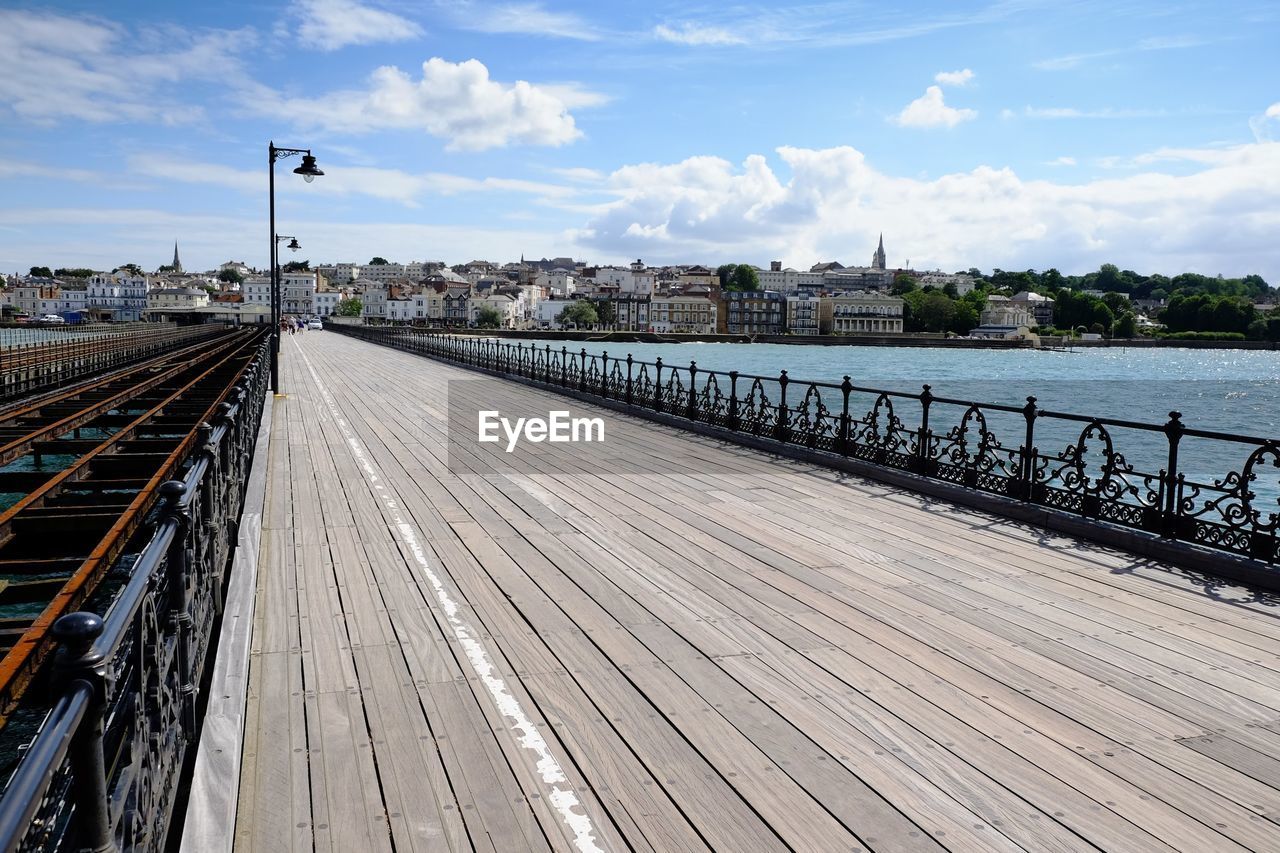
(79,660)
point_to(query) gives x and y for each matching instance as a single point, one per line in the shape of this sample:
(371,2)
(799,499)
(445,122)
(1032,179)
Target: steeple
(877,260)
(177,264)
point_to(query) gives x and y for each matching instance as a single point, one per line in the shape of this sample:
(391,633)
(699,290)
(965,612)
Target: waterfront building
(119,295)
(1004,319)
(863,313)
(510,307)
(169,299)
(759,312)
(399,304)
(37,296)
(683,313)
(72,302)
(1039,306)
(804,314)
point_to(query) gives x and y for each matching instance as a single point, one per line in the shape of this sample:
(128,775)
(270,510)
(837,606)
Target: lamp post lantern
(309,172)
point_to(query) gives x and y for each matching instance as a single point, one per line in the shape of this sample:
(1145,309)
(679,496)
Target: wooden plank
(1251,762)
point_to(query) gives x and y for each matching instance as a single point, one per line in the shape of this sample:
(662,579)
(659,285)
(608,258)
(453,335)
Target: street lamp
(309,172)
(292,247)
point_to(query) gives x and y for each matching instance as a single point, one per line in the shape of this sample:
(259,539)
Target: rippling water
(1230,391)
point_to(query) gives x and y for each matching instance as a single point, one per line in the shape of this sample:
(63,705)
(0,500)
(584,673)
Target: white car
(52,319)
(315,324)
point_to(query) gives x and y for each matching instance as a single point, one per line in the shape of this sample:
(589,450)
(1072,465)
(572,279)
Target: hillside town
(562,293)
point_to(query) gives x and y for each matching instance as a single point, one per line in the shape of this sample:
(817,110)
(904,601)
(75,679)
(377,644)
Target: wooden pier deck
(751,654)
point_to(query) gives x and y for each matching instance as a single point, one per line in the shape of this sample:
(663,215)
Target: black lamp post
(308,171)
(292,247)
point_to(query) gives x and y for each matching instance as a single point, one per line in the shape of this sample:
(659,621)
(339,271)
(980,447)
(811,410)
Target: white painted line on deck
(560,794)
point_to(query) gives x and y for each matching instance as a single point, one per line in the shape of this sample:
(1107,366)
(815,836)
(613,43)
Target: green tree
(964,319)
(725,271)
(936,312)
(488,317)
(297,266)
(231,276)
(1126,326)
(132,269)
(72,272)
(579,313)
(902,284)
(744,278)
(350,307)
(606,313)
(377,261)
(1117,302)
(43,272)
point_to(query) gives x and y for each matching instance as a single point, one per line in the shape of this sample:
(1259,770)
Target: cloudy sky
(1006,134)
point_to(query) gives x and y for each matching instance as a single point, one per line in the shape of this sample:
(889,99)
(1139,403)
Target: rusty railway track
(85,466)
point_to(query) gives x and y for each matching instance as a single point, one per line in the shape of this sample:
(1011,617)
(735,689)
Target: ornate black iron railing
(987,447)
(102,774)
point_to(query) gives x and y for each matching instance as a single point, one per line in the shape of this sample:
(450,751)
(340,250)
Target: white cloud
(1074,60)
(455,101)
(527,19)
(954,78)
(59,67)
(333,24)
(1262,125)
(930,110)
(696,34)
(831,203)
(1062,161)
(144,235)
(407,188)
(1103,113)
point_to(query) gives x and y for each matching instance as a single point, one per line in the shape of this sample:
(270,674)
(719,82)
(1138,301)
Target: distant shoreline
(904,340)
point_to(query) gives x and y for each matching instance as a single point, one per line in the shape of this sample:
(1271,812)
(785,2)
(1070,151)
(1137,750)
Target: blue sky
(1010,134)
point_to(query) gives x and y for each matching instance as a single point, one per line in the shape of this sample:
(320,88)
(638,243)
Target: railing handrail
(1155,494)
(861,389)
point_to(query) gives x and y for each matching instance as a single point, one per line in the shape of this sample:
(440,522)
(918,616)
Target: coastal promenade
(748,653)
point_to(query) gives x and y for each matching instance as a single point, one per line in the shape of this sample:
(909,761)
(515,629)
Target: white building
(118,296)
(865,313)
(379,272)
(180,298)
(339,273)
(72,300)
(256,290)
(1004,319)
(560,282)
(510,308)
(325,302)
(939,279)
(804,314)
(635,280)
(297,292)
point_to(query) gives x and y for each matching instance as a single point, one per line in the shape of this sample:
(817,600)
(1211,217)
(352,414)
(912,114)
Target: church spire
(177,264)
(877,260)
